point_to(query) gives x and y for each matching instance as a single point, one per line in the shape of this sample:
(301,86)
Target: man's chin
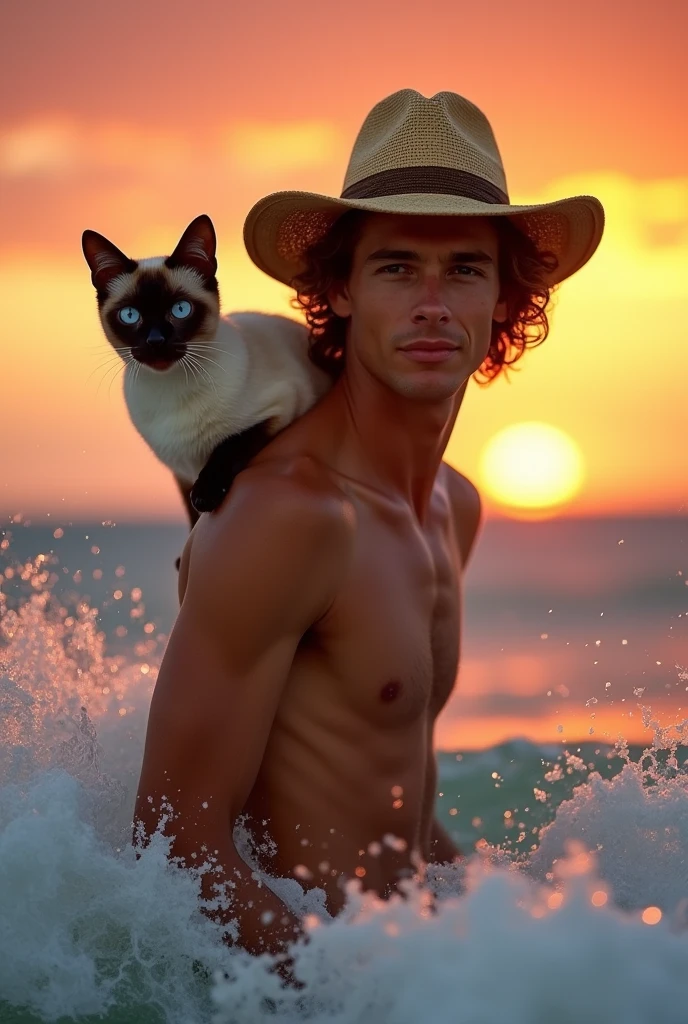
(430,386)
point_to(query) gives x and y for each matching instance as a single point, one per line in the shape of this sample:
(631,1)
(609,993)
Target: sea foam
(591,925)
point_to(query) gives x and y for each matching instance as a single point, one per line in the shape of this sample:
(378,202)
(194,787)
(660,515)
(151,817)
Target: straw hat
(415,155)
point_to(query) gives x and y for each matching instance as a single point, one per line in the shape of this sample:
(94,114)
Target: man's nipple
(389,692)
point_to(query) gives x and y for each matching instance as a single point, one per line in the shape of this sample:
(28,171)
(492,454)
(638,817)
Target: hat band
(430,180)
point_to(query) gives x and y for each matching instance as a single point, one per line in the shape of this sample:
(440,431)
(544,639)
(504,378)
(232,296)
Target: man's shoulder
(466,506)
(287,484)
(284,500)
(284,529)
(460,489)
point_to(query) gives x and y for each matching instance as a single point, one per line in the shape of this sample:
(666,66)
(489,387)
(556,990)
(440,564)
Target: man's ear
(501,312)
(338,300)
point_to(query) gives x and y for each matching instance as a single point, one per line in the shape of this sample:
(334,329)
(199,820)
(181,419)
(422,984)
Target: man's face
(427,282)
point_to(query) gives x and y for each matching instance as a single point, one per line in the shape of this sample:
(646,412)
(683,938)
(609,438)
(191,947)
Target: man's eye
(394,268)
(464,266)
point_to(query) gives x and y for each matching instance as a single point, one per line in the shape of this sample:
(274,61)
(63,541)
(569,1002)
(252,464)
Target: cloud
(63,149)
(256,147)
(644,250)
(634,206)
(39,149)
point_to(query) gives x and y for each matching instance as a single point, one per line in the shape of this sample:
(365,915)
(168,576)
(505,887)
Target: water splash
(506,950)
(88,929)
(636,822)
(63,700)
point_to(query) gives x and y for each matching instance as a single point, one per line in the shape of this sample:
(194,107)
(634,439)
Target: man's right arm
(261,572)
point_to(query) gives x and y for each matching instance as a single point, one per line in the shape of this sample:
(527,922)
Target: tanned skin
(318,637)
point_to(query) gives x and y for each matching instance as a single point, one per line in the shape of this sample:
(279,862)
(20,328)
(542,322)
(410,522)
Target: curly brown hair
(522,270)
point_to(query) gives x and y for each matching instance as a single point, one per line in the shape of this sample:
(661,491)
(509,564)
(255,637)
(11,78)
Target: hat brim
(280,227)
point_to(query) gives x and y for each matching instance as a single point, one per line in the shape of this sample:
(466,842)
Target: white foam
(638,831)
(86,928)
(496,954)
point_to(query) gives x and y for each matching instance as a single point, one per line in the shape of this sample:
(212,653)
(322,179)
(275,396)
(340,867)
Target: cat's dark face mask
(156,321)
(156,310)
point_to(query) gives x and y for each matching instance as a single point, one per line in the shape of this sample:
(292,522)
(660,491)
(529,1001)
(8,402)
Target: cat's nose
(154,336)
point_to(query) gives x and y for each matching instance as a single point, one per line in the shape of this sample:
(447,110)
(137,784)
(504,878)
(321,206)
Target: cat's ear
(196,248)
(105,259)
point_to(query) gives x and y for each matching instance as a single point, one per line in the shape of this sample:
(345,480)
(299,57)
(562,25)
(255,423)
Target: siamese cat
(206,392)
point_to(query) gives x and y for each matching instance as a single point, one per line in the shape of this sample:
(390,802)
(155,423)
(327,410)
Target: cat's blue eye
(181,309)
(129,315)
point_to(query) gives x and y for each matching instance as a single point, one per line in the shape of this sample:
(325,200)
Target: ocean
(572,901)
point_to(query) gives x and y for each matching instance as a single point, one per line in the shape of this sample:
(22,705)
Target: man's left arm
(467,515)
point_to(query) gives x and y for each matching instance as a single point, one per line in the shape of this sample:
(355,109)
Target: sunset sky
(134,124)
(133,120)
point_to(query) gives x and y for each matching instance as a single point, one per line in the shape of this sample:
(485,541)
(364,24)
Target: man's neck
(391,442)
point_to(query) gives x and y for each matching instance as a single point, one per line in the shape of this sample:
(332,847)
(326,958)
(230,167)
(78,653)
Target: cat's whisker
(191,363)
(135,369)
(194,362)
(101,349)
(197,369)
(197,346)
(206,359)
(119,353)
(210,362)
(115,363)
(107,363)
(114,371)
(186,362)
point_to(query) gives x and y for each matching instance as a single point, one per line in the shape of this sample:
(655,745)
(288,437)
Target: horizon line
(9,520)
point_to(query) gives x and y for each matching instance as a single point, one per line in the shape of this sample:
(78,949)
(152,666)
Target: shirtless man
(319,631)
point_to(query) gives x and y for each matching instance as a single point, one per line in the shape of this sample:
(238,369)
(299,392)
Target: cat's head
(153,309)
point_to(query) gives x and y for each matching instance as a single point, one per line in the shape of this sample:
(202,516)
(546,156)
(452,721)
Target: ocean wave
(583,916)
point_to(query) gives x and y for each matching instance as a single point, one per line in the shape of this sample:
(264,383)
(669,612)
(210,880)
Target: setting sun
(531,468)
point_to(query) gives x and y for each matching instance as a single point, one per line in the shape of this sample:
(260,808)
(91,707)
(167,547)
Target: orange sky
(134,124)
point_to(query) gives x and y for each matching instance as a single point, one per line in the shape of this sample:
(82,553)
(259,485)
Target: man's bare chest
(392,638)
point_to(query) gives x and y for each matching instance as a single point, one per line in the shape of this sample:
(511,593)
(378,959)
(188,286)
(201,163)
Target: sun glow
(531,469)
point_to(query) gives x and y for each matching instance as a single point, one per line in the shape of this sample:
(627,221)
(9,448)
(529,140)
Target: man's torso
(342,788)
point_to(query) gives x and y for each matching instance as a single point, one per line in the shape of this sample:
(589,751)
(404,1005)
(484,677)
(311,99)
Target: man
(318,635)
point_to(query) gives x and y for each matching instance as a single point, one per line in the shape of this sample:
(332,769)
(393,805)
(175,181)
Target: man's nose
(431,310)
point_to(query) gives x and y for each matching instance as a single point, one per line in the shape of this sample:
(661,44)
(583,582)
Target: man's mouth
(424,351)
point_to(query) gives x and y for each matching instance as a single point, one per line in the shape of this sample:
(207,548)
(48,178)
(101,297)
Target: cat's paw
(208,493)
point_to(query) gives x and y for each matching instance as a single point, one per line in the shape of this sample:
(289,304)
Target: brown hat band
(430,180)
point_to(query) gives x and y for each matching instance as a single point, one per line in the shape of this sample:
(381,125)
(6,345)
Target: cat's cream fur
(237,370)
(259,371)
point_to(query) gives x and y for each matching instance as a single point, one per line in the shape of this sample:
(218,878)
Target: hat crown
(408,129)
